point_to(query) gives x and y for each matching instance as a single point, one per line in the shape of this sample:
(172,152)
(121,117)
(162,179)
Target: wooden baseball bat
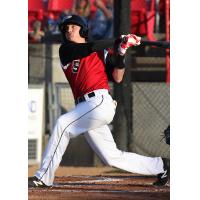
(162,44)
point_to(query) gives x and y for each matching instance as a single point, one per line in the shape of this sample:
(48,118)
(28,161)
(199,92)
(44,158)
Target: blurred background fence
(149,86)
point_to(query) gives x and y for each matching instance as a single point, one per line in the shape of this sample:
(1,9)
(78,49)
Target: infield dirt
(95,183)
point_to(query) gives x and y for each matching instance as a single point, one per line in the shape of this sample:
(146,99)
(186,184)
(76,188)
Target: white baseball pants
(92,118)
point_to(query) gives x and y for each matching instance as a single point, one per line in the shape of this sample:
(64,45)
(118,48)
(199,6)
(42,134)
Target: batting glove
(128,41)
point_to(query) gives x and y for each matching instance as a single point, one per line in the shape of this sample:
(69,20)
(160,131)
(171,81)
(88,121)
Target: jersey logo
(75,65)
(65,66)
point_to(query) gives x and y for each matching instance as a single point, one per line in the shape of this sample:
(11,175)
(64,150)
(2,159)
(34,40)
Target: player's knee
(62,124)
(112,159)
(63,121)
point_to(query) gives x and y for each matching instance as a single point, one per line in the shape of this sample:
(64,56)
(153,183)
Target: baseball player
(88,68)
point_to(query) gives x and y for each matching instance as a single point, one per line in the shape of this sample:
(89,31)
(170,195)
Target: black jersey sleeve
(70,51)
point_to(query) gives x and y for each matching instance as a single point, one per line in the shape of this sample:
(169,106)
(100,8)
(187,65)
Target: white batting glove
(128,41)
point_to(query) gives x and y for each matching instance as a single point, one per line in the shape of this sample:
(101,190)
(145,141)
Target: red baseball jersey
(86,74)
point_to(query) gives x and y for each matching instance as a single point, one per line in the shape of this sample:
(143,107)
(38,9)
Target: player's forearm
(115,67)
(119,69)
(118,74)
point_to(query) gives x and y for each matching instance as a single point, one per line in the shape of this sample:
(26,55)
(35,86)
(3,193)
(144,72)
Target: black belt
(82,99)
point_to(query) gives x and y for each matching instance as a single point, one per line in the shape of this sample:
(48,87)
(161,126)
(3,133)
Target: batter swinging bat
(162,44)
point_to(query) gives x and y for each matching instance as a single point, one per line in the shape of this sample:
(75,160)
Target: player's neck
(77,40)
(80,40)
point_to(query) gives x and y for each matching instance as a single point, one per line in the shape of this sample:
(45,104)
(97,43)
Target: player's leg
(102,142)
(53,153)
(86,116)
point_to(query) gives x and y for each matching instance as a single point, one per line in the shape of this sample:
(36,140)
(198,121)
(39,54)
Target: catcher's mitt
(167,135)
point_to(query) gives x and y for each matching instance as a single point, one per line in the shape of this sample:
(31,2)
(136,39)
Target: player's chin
(70,38)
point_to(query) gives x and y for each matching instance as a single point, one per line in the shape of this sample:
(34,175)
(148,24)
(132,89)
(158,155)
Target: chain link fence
(151,115)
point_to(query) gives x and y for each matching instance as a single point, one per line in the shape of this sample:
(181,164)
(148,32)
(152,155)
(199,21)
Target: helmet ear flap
(84,32)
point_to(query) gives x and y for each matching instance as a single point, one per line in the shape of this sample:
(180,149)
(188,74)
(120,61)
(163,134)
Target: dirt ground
(70,171)
(95,183)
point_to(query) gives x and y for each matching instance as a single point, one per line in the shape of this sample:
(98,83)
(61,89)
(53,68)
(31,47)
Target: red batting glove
(128,41)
